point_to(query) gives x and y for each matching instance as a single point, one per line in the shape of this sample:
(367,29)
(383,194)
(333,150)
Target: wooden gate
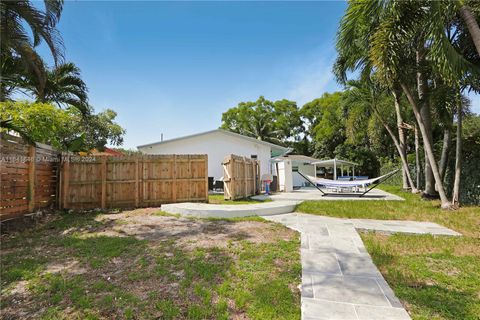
(241,177)
(136,181)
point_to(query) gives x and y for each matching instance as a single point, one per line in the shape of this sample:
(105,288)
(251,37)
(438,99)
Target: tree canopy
(64,129)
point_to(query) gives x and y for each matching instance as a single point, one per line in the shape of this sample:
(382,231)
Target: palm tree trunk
(472,25)
(447,132)
(401,135)
(403,157)
(458,156)
(418,169)
(428,147)
(425,113)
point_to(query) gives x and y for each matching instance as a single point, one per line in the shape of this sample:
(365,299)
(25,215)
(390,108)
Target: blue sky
(174,67)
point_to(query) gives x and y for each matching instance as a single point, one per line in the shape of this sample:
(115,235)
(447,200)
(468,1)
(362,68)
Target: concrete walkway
(207,210)
(339,279)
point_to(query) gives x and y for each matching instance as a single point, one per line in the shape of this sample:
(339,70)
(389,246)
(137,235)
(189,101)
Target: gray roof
(233,134)
(296,158)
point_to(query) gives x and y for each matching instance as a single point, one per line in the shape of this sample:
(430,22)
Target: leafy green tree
(23,26)
(323,118)
(64,129)
(276,122)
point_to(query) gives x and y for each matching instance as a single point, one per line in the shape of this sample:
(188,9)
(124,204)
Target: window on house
(254,156)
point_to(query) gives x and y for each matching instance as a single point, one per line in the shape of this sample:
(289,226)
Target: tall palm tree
(407,34)
(15,17)
(63,86)
(353,44)
(369,91)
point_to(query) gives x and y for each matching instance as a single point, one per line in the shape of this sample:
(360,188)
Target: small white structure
(217,144)
(288,167)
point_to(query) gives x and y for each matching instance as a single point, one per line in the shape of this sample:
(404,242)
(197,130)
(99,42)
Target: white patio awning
(333,163)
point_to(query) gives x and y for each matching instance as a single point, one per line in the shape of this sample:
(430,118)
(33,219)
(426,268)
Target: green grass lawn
(79,266)
(218,199)
(434,277)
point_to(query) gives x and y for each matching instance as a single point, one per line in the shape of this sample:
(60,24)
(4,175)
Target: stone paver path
(339,279)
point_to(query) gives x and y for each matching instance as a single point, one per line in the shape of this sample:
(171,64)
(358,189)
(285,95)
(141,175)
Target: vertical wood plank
(58,184)
(174,177)
(233,178)
(104,182)
(144,180)
(245,177)
(205,172)
(137,191)
(31,178)
(189,184)
(66,178)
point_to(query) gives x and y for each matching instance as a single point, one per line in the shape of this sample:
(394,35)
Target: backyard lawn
(144,264)
(434,277)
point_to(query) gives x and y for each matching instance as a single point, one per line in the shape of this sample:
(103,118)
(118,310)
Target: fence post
(31,178)
(103,170)
(174,175)
(206,178)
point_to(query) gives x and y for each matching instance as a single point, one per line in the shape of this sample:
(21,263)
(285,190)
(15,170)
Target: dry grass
(138,264)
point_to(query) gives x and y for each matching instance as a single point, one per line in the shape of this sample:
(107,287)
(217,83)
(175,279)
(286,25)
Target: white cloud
(312,76)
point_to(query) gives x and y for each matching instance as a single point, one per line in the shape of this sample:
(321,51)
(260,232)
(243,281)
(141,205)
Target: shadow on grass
(434,300)
(430,288)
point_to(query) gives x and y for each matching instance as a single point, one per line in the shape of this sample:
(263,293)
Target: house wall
(298,180)
(216,145)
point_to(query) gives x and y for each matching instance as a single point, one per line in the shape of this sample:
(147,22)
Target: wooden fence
(241,177)
(28,177)
(136,181)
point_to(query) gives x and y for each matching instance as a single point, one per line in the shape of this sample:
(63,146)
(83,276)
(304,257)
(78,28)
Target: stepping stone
(320,262)
(327,310)
(354,290)
(360,265)
(379,313)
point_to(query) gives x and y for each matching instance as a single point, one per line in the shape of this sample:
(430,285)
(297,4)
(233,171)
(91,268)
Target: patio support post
(334,169)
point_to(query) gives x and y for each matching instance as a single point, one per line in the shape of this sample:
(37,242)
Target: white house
(217,144)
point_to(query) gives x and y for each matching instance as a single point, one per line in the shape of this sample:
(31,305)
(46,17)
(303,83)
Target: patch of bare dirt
(189,232)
